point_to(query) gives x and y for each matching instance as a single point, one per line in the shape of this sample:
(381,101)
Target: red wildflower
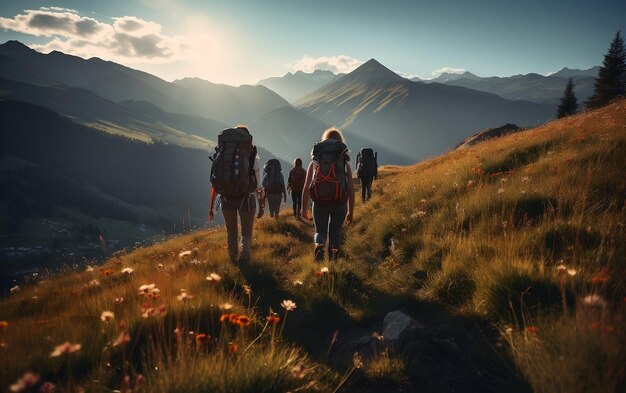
(106,272)
(599,279)
(202,338)
(531,329)
(243,320)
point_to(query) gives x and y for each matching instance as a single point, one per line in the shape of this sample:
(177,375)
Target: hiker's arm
(282,180)
(350,215)
(289,180)
(305,191)
(257,173)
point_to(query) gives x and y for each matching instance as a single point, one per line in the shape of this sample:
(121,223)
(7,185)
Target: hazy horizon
(174,40)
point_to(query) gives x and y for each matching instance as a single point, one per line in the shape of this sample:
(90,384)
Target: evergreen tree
(569,104)
(611,80)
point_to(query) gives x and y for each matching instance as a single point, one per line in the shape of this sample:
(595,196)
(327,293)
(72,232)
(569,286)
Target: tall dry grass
(481,231)
(521,230)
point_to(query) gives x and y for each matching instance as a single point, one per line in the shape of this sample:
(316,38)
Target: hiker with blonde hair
(329,184)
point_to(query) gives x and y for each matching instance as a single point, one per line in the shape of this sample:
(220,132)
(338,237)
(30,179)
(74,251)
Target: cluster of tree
(610,83)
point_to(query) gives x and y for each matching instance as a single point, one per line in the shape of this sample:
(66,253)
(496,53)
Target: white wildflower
(214,277)
(107,316)
(288,305)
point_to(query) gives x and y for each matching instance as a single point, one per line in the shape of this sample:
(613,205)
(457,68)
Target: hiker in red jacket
(295,183)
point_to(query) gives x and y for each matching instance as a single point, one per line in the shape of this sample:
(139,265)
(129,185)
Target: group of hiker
(327,181)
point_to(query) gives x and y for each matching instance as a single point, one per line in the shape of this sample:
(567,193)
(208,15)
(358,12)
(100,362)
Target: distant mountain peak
(373,70)
(15,46)
(453,76)
(566,72)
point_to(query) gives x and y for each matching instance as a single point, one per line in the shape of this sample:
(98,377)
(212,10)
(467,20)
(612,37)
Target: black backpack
(330,184)
(367,164)
(232,172)
(271,178)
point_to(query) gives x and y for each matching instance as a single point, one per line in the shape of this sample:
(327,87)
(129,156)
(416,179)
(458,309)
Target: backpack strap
(251,170)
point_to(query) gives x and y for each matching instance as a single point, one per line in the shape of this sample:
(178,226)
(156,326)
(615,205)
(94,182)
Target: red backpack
(330,183)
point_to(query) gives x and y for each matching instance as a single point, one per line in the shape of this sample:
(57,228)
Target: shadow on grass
(448,354)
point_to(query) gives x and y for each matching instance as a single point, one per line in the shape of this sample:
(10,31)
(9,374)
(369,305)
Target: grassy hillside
(89,109)
(470,244)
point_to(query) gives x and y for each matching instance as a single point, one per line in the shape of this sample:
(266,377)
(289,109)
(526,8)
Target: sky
(242,41)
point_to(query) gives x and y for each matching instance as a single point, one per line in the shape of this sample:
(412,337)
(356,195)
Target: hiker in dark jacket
(274,185)
(329,183)
(366,171)
(295,183)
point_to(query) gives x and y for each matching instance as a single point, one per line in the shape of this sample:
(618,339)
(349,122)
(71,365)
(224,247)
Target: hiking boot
(333,254)
(246,245)
(319,252)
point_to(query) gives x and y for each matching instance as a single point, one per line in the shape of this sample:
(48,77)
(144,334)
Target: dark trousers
(273,200)
(328,221)
(296,197)
(366,189)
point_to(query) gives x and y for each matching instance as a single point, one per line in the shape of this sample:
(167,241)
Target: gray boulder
(397,326)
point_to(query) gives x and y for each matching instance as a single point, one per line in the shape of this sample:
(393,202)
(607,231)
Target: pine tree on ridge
(569,104)
(611,80)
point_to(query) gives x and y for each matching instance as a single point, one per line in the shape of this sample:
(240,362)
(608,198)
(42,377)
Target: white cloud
(447,70)
(336,64)
(58,9)
(127,39)
(407,76)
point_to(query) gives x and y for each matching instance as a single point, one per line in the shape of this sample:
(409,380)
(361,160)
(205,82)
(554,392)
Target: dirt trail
(446,353)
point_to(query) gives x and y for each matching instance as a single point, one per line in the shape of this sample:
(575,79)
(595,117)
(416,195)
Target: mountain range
(532,87)
(294,86)
(414,118)
(118,83)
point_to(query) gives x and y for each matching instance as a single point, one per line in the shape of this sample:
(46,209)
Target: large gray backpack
(232,172)
(272,176)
